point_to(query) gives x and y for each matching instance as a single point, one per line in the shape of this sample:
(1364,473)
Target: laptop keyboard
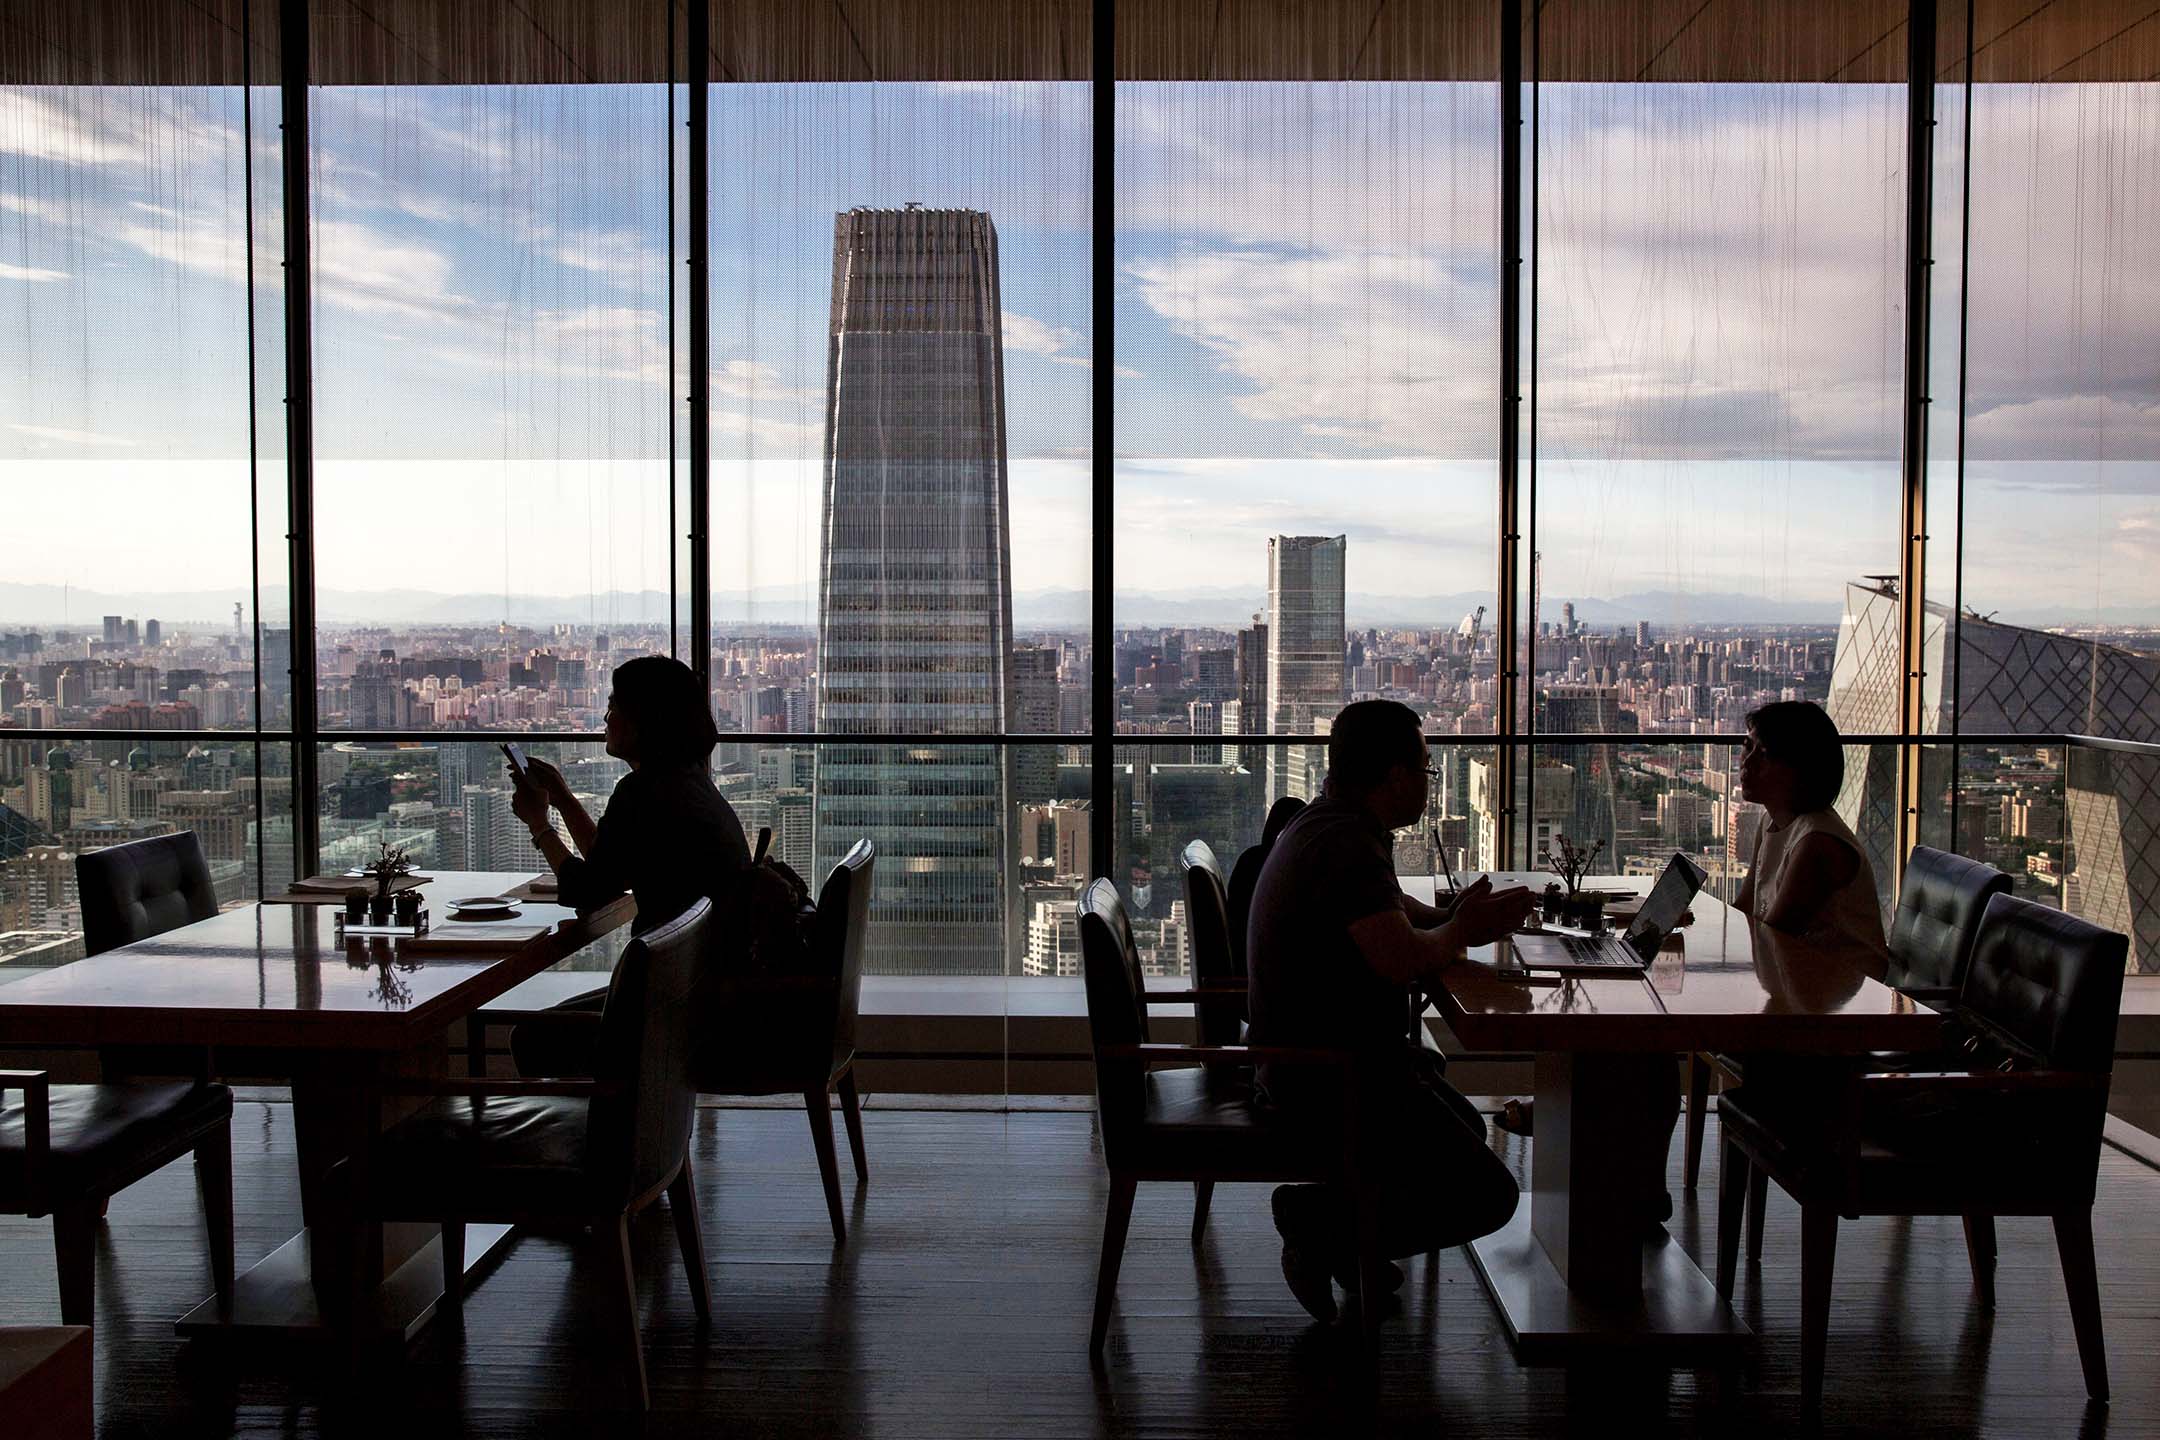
(1581,951)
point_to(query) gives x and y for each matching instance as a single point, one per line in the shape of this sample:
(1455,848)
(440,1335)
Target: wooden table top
(1723,983)
(275,976)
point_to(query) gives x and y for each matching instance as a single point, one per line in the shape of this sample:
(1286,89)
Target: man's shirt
(1308,983)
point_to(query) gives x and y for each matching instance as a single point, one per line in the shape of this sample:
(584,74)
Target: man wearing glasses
(1334,947)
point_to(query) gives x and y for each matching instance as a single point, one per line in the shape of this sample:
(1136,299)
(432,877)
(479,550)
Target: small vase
(408,907)
(378,909)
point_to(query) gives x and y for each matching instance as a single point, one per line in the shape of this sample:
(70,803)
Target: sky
(1306,334)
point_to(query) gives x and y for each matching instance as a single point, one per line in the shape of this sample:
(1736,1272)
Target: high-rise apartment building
(915,591)
(1306,679)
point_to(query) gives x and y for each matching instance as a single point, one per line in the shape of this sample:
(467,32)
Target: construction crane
(1471,624)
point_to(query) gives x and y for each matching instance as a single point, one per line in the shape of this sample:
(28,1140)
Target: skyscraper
(915,597)
(2011,680)
(1306,680)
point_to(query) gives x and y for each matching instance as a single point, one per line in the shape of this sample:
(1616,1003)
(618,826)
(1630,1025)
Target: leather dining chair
(1940,903)
(66,1149)
(1245,875)
(1938,919)
(594,1150)
(2016,1131)
(777,1035)
(1216,967)
(795,1035)
(143,888)
(1185,1124)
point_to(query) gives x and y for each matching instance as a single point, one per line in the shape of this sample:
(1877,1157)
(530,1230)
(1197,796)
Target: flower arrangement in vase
(1571,862)
(386,869)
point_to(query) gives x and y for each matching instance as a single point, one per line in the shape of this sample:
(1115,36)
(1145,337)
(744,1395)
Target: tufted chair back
(1938,918)
(143,888)
(2049,981)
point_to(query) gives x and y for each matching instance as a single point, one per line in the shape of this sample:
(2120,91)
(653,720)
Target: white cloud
(30,274)
(64,130)
(60,435)
(1029,336)
(1369,349)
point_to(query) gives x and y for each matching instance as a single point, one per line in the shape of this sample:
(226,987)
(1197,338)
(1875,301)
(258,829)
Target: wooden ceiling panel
(1722,41)
(2023,41)
(370,42)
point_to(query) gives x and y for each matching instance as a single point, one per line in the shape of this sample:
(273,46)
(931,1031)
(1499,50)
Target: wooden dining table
(269,993)
(1573,1275)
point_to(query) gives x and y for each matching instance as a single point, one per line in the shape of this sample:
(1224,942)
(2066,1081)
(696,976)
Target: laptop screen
(1668,902)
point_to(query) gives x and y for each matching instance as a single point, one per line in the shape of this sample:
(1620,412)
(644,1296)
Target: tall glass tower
(1306,679)
(915,598)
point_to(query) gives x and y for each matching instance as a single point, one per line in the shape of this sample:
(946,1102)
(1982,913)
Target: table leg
(301,1287)
(1572,1275)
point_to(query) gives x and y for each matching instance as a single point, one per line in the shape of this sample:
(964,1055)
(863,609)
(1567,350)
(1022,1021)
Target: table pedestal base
(277,1295)
(1679,1318)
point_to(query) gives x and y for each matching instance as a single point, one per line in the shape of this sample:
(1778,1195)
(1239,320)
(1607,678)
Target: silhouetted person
(1808,875)
(1333,947)
(667,836)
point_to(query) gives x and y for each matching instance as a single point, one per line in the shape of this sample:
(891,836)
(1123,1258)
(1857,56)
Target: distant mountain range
(1222,607)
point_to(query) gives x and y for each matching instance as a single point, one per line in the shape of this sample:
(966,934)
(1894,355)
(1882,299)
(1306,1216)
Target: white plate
(483,907)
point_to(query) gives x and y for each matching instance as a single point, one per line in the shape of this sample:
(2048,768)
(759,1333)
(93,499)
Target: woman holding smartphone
(667,836)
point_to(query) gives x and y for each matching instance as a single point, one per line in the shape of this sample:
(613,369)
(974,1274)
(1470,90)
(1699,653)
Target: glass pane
(2061,527)
(126,418)
(1307,407)
(957,883)
(65,799)
(1718,284)
(900,381)
(2013,812)
(446,803)
(493,404)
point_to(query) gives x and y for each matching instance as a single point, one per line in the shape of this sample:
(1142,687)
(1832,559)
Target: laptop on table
(1632,950)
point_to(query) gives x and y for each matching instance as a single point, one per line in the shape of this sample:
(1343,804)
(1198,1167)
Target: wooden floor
(960,1308)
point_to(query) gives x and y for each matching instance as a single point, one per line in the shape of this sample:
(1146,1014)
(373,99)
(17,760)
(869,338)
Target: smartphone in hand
(515,754)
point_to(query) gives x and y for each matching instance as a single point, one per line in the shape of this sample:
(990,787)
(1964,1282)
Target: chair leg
(612,1233)
(1369,1261)
(1758,1201)
(1698,1106)
(1734,1173)
(1818,1257)
(213,1177)
(1115,1223)
(75,1253)
(818,1104)
(1203,1191)
(1980,1249)
(453,1260)
(851,1112)
(2074,1242)
(682,1204)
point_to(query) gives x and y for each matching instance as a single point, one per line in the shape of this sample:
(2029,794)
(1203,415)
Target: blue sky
(1305,332)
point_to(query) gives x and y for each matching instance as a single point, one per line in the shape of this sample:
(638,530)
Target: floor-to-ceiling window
(891,499)
(140,445)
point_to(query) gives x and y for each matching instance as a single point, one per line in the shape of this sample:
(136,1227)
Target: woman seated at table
(668,836)
(1808,876)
